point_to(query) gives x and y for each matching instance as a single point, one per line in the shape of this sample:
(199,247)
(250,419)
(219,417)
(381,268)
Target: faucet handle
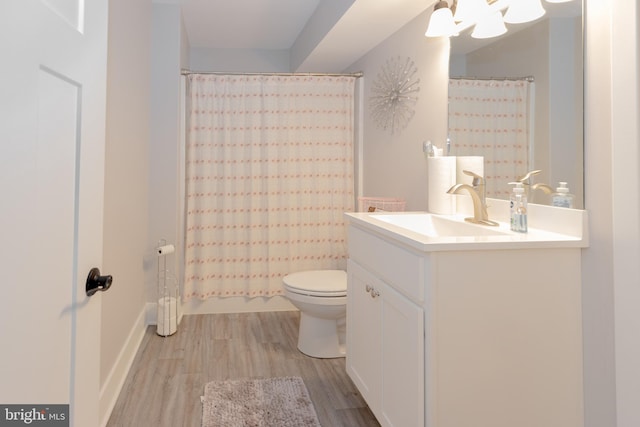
(477,179)
(528,175)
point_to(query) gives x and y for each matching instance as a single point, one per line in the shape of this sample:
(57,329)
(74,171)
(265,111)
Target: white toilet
(321,297)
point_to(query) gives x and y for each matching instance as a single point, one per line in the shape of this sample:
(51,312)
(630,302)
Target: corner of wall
(597,260)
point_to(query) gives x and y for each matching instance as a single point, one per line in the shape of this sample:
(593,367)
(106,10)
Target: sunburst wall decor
(394,93)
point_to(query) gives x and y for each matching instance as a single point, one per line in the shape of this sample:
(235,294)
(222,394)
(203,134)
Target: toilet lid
(326,283)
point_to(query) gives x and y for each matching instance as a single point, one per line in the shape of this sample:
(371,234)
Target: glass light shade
(491,25)
(441,23)
(521,11)
(470,10)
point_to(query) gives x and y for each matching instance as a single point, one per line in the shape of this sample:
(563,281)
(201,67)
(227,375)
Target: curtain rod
(189,72)
(530,79)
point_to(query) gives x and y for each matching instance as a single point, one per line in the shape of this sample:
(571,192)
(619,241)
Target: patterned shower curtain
(491,118)
(269,174)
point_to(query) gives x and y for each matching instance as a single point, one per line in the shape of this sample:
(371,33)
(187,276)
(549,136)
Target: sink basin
(438,226)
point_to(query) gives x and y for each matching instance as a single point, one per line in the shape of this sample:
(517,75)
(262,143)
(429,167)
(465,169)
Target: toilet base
(326,342)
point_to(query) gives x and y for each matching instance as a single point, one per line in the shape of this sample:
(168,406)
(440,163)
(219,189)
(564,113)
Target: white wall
(239,60)
(126,191)
(395,165)
(597,260)
(326,15)
(625,189)
(167,57)
(611,295)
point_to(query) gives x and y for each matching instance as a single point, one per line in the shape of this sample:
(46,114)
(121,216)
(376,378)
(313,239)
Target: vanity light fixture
(470,10)
(452,20)
(491,26)
(441,21)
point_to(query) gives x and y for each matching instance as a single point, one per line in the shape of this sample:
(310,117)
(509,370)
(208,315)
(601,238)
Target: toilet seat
(317,283)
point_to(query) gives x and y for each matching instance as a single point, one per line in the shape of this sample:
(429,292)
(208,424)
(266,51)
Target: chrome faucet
(477,192)
(529,188)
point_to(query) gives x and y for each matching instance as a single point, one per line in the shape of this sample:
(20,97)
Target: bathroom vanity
(452,324)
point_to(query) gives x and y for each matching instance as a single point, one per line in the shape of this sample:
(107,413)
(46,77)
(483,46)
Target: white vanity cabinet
(385,330)
(465,332)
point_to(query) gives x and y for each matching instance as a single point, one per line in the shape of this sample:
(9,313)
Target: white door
(52,116)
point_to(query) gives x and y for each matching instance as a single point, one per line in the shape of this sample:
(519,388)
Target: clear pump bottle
(562,198)
(518,207)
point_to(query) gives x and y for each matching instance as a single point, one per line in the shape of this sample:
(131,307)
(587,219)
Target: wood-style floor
(168,375)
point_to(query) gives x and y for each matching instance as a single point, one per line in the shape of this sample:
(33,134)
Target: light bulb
(441,21)
(491,25)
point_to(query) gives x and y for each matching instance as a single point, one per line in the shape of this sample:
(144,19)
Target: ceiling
(321,35)
(246,24)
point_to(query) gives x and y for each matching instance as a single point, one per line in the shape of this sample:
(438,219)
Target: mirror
(549,52)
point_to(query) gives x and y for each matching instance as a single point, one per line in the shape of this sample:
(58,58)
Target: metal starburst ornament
(394,93)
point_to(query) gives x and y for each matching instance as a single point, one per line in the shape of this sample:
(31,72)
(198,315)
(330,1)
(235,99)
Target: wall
(624,174)
(394,165)
(239,60)
(326,15)
(611,296)
(598,259)
(168,57)
(126,191)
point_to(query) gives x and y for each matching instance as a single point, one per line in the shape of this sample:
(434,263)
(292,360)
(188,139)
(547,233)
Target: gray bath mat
(271,402)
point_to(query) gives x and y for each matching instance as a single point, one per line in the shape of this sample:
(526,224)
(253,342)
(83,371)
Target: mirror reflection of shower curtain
(493,118)
(269,174)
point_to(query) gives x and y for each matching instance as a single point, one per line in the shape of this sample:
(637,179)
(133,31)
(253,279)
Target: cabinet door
(364,337)
(403,395)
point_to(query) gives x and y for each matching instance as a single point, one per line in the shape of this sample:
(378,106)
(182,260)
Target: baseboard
(217,305)
(237,305)
(115,380)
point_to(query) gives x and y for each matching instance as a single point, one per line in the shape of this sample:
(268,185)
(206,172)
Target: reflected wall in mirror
(527,86)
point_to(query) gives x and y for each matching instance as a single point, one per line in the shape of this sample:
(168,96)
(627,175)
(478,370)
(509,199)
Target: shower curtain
(491,118)
(269,174)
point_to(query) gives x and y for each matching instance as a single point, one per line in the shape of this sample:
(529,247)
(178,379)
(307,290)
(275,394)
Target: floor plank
(168,375)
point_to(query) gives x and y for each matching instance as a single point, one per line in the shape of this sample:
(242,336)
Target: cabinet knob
(368,288)
(374,293)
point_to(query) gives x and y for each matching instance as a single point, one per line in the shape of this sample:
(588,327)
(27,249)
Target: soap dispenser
(518,207)
(562,198)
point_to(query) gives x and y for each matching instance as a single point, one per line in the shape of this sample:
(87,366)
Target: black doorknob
(96,282)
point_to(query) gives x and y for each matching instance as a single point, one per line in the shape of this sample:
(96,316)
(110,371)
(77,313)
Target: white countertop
(563,228)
